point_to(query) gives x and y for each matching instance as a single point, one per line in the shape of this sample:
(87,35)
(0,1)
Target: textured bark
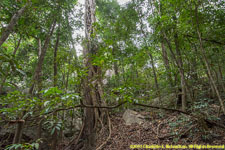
(18,133)
(12,24)
(90,117)
(92,88)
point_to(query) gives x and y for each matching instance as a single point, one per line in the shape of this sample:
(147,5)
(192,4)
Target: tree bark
(18,133)
(92,89)
(12,23)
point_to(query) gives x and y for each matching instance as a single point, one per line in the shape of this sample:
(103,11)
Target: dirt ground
(168,129)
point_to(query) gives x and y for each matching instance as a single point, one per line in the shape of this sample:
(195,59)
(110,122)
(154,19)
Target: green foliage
(15,103)
(26,146)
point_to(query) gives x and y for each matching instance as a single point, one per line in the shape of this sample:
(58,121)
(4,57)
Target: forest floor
(167,129)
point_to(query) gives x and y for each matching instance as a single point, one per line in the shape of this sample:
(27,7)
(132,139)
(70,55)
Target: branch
(209,122)
(78,106)
(208,40)
(168,109)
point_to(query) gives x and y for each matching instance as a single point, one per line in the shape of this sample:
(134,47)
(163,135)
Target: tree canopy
(140,52)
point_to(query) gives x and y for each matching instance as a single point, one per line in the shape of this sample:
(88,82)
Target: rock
(78,124)
(75,128)
(166,100)
(131,116)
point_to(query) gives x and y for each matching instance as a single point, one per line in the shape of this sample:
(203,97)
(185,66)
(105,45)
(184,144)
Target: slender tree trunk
(12,23)
(221,77)
(39,48)
(180,63)
(166,64)
(38,70)
(55,72)
(181,71)
(207,63)
(115,65)
(155,78)
(17,47)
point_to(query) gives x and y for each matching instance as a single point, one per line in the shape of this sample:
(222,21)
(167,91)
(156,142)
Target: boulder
(131,117)
(166,100)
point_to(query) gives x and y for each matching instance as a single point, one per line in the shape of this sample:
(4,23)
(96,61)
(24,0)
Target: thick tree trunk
(12,23)
(18,133)
(91,84)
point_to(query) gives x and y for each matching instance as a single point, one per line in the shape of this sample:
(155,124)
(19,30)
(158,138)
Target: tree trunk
(180,63)
(12,23)
(18,133)
(39,48)
(166,64)
(17,47)
(38,70)
(221,78)
(207,63)
(181,71)
(55,71)
(91,85)
(155,78)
